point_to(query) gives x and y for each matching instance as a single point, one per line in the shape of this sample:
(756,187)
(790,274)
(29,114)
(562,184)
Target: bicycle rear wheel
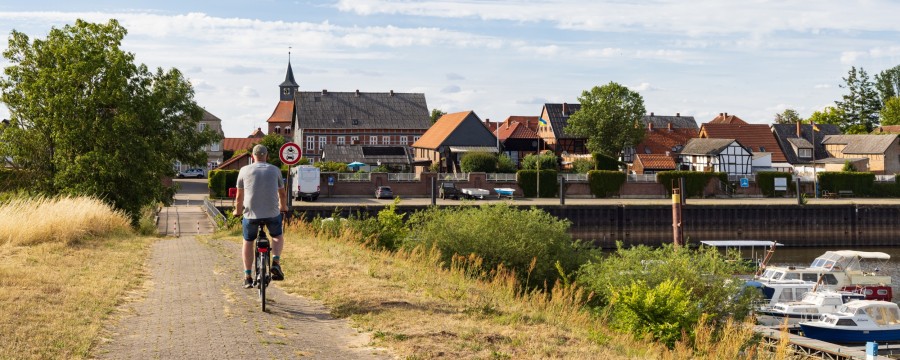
(263,276)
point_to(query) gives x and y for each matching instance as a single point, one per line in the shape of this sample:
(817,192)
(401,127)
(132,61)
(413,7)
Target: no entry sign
(290,153)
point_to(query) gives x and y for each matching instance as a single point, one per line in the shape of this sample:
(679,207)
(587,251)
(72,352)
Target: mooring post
(681,186)
(433,194)
(562,190)
(799,192)
(676,218)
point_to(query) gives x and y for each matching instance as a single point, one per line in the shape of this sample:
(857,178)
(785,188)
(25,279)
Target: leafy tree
(610,118)
(478,161)
(788,116)
(829,115)
(582,166)
(332,166)
(505,164)
(436,114)
(548,161)
(861,105)
(888,83)
(890,113)
(85,119)
(273,143)
(848,167)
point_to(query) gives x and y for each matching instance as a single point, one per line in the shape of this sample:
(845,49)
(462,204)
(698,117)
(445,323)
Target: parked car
(449,191)
(383,192)
(194,173)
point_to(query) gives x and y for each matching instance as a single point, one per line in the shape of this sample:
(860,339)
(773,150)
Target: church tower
(280,120)
(289,86)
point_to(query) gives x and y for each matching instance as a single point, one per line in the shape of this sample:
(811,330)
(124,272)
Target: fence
(213,212)
(736,177)
(403,177)
(499,177)
(453,176)
(351,177)
(641,178)
(575,177)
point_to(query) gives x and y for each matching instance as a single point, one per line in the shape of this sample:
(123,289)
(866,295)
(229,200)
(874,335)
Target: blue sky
(499,58)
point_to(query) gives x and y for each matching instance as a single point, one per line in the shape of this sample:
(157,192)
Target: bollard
(198,227)
(176,228)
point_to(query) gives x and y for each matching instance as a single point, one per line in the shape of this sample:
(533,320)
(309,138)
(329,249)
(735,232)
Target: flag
(815,128)
(542,121)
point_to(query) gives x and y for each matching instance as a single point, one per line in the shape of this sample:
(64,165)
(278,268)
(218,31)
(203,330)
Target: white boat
(811,307)
(846,270)
(857,321)
(472,193)
(782,291)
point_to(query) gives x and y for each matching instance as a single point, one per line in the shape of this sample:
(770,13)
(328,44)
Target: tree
(273,143)
(436,114)
(87,120)
(548,161)
(788,116)
(890,113)
(888,83)
(478,161)
(861,105)
(610,118)
(505,164)
(829,115)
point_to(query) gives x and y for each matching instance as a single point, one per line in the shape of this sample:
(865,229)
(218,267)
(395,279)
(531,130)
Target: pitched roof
(558,120)
(887,129)
(289,77)
(800,143)
(862,144)
(516,130)
(724,118)
(663,121)
(283,113)
(755,137)
(655,161)
(361,110)
(258,133)
(233,160)
(658,141)
(457,129)
(706,146)
(235,144)
(532,122)
(367,154)
(208,116)
(785,132)
(435,136)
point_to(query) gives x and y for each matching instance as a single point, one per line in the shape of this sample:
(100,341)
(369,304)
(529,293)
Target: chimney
(357,92)
(565,110)
(651,114)
(668,153)
(392,92)
(669,125)
(726,114)
(798,129)
(324,92)
(677,114)
(650,126)
(722,114)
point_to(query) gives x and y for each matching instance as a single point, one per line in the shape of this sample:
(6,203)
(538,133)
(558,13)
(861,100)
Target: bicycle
(262,264)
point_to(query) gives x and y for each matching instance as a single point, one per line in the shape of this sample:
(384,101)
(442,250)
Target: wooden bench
(845,193)
(829,195)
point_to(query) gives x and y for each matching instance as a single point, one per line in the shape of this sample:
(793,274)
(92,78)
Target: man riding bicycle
(262,200)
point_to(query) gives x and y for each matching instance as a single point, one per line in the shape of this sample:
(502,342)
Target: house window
(762,148)
(404,140)
(340,140)
(215,146)
(373,140)
(310,143)
(287,130)
(278,129)
(416,138)
(202,127)
(322,140)
(354,139)
(386,140)
(805,153)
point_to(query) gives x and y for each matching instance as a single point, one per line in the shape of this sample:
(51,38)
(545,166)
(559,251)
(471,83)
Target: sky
(496,57)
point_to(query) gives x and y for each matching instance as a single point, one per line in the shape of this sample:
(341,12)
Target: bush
(861,183)
(766,181)
(662,311)
(548,162)
(527,180)
(604,183)
(478,161)
(582,166)
(529,242)
(386,231)
(332,166)
(694,181)
(216,184)
(848,167)
(505,164)
(434,167)
(606,162)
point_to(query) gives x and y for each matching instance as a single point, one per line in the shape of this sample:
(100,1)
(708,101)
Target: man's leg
(247,253)
(276,228)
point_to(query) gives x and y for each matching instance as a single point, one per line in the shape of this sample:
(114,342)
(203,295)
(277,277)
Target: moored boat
(857,321)
(810,308)
(846,270)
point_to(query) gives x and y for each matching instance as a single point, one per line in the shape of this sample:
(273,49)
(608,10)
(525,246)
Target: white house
(718,155)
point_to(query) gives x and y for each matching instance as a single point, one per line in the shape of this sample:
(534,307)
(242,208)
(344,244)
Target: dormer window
(278,129)
(762,148)
(805,153)
(355,121)
(287,130)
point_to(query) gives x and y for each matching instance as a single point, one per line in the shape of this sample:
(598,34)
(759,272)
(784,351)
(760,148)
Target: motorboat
(857,321)
(473,193)
(810,308)
(846,270)
(505,192)
(781,291)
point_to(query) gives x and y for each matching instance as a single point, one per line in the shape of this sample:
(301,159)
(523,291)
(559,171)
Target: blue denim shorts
(251,227)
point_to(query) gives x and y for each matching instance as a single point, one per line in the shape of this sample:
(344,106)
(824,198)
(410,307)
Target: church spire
(289,86)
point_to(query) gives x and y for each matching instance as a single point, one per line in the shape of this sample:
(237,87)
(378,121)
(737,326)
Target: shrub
(434,167)
(766,181)
(385,231)
(606,162)
(861,183)
(548,162)
(582,166)
(505,164)
(527,180)
(694,181)
(604,183)
(662,311)
(848,167)
(216,184)
(529,242)
(478,161)
(332,166)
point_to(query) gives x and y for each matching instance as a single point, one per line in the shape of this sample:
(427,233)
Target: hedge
(766,181)
(527,180)
(606,162)
(861,183)
(694,181)
(478,161)
(604,183)
(220,181)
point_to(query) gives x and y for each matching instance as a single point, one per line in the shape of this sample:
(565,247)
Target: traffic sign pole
(290,154)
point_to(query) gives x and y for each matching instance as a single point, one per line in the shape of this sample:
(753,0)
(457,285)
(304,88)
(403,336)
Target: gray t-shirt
(260,182)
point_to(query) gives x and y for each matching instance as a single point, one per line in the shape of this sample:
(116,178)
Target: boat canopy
(739,243)
(862,254)
(845,259)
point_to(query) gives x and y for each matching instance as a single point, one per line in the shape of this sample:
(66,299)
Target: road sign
(745,182)
(290,153)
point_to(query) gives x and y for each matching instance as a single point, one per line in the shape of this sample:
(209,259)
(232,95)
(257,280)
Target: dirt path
(195,308)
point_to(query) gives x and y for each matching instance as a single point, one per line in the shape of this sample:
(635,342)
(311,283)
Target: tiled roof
(532,122)
(887,129)
(258,133)
(706,146)
(862,144)
(558,120)
(655,161)
(724,118)
(283,112)
(659,141)
(516,130)
(289,77)
(755,137)
(208,116)
(235,144)
(361,110)
(233,160)
(785,132)
(663,121)
(435,136)
(800,143)
(367,154)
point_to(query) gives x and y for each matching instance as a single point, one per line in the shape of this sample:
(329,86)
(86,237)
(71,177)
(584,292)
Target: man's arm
(282,199)
(239,203)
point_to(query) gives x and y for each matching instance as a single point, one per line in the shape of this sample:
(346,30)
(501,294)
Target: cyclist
(262,200)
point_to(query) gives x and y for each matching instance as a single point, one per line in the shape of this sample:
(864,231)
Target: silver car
(192,173)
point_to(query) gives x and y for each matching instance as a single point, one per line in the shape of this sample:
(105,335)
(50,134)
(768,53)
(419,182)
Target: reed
(65,219)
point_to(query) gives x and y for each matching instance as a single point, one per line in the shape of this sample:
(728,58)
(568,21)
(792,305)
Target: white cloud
(364,72)
(249,92)
(533,101)
(852,57)
(822,86)
(201,85)
(644,86)
(244,70)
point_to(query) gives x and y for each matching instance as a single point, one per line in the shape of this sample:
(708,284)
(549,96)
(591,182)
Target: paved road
(195,307)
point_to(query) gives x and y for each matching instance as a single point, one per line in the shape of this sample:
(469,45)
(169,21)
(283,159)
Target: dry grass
(58,284)
(29,221)
(423,310)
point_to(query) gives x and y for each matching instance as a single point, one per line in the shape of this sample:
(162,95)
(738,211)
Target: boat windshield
(883,315)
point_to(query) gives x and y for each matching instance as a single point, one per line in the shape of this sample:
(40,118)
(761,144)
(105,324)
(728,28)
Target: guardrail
(501,177)
(736,178)
(453,176)
(885,178)
(214,213)
(403,177)
(641,178)
(353,177)
(575,177)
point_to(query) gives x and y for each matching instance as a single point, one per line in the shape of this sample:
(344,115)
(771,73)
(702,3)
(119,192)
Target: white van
(306,182)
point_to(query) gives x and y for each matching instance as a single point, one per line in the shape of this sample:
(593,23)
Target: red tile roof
(658,141)
(655,161)
(227,164)
(756,137)
(516,130)
(724,118)
(435,136)
(283,112)
(235,144)
(891,129)
(530,121)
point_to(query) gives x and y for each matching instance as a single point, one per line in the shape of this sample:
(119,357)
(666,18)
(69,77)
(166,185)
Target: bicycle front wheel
(263,275)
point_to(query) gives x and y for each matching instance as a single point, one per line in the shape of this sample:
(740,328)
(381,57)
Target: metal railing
(501,177)
(403,177)
(641,178)
(214,213)
(353,177)
(453,176)
(575,177)
(736,177)
(885,178)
